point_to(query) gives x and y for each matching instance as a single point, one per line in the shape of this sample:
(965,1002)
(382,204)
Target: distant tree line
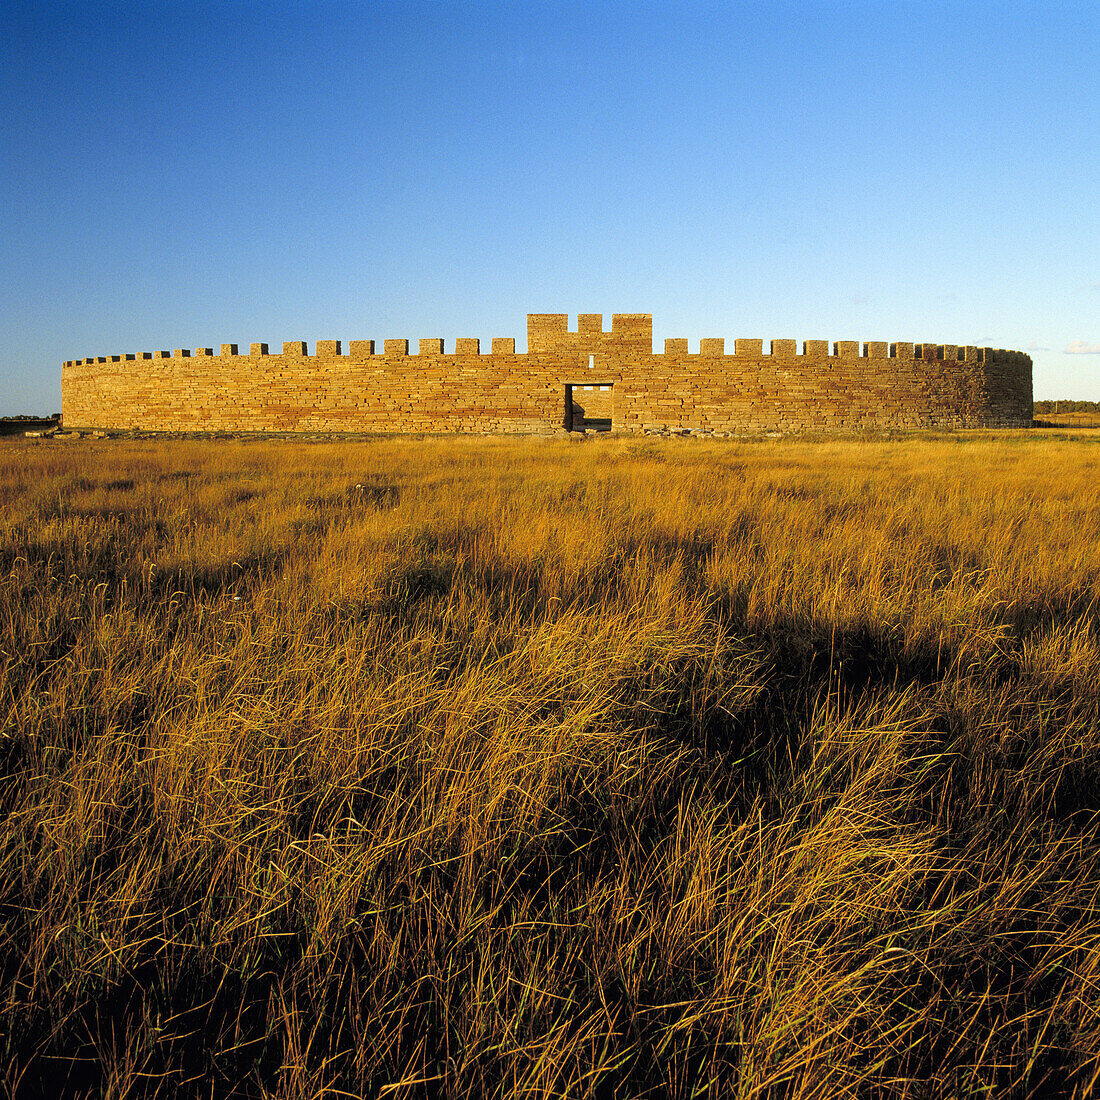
(1067,407)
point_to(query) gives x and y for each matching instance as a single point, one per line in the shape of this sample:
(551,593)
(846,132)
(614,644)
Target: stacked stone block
(842,386)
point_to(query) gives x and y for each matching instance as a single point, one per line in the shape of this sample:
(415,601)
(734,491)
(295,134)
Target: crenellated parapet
(588,341)
(630,332)
(566,378)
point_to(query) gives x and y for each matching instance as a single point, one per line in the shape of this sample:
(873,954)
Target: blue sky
(182,174)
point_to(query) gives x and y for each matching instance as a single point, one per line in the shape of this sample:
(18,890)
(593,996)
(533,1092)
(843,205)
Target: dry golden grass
(511,768)
(1079,419)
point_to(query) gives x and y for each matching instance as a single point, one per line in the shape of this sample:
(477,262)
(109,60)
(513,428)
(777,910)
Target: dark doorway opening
(588,407)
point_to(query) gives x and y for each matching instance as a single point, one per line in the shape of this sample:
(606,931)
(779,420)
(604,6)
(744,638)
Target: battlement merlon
(549,332)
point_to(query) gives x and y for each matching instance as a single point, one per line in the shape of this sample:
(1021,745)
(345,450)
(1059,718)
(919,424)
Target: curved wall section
(563,380)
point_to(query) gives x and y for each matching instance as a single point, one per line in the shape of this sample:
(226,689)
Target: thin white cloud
(1035,347)
(1079,347)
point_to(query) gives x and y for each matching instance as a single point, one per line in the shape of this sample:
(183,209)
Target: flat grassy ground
(516,768)
(1070,419)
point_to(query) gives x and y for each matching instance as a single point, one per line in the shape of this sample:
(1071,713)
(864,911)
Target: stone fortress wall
(565,380)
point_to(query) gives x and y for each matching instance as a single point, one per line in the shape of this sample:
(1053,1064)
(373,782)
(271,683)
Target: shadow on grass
(207,1020)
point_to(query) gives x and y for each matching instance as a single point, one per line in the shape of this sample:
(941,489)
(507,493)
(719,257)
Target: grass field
(513,768)
(1070,419)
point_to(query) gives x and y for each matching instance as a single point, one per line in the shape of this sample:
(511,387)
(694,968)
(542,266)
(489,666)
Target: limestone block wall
(839,387)
(592,401)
